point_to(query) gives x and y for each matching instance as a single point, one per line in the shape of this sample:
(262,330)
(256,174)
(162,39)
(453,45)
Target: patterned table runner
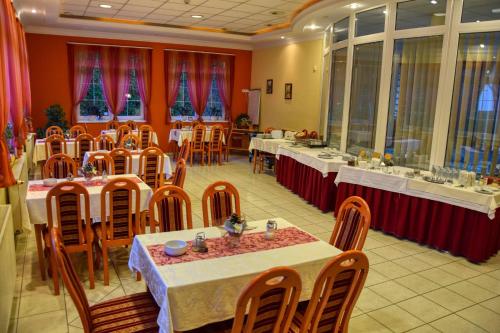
(217,247)
(93,182)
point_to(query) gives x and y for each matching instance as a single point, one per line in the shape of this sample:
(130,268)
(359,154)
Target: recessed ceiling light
(282,37)
(439,14)
(33,11)
(312,26)
(482,46)
(354,5)
(434,2)
(105,6)
(197,16)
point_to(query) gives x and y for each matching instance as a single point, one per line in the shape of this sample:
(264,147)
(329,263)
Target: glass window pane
(420,13)
(339,61)
(480,10)
(473,134)
(367,62)
(370,21)
(414,85)
(341,30)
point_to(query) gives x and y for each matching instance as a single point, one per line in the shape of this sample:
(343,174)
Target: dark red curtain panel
(174,63)
(25,75)
(142,65)
(224,71)
(205,70)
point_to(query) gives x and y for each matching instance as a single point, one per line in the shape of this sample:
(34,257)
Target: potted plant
(55,117)
(9,137)
(89,171)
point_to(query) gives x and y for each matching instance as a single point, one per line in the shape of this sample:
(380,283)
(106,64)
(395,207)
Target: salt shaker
(271,228)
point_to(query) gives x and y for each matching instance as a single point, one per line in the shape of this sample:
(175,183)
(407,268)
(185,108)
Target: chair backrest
(195,123)
(55,144)
(59,166)
(352,224)
(122,223)
(184,150)
(335,293)
(145,136)
(132,124)
(112,124)
(102,162)
(151,163)
(228,133)
(221,195)
(165,209)
(84,143)
(104,142)
(177,124)
(122,160)
(271,299)
(75,227)
(130,139)
(71,279)
(198,137)
(76,130)
(121,131)
(179,173)
(51,130)
(216,135)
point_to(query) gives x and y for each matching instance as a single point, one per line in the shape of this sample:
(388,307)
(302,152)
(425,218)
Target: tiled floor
(409,287)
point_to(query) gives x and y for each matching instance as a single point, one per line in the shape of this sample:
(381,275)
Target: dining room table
(37,210)
(39,153)
(196,288)
(113,135)
(179,134)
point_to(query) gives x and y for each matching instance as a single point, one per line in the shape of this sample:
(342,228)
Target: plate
(431,180)
(483,191)
(325,157)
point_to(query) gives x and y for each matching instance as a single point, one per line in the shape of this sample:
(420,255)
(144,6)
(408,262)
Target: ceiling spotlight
(282,37)
(481,46)
(197,16)
(439,14)
(434,2)
(33,11)
(354,5)
(312,26)
(105,6)
(385,11)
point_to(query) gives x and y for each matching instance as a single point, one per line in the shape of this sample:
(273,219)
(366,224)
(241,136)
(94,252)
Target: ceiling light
(354,5)
(385,11)
(105,6)
(439,14)
(33,11)
(282,37)
(434,2)
(312,26)
(197,16)
(481,46)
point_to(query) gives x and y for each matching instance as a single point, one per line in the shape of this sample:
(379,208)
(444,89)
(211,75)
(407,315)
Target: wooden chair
(179,175)
(145,136)
(177,124)
(59,166)
(121,132)
(122,224)
(122,159)
(137,312)
(132,140)
(75,228)
(132,124)
(221,195)
(195,123)
(214,146)
(151,163)
(84,143)
(167,203)
(228,135)
(104,142)
(112,124)
(55,144)
(352,224)
(198,143)
(102,162)
(76,130)
(335,293)
(184,151)
(53,130)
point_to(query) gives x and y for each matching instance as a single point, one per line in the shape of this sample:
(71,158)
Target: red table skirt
(307,182)
(461,231)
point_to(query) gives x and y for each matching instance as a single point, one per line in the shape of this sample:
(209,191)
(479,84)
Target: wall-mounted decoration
(269,86)
(288,91)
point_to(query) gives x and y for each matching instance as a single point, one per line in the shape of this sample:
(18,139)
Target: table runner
(217,247)
(309,157)
(91,183)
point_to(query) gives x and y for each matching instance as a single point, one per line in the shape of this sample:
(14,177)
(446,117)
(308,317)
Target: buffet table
(312,178)
(267,145)
(458,220)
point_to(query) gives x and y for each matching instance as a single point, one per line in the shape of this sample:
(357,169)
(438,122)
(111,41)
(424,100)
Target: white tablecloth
(193,294)
(417,187)
(38,212)
(267,145)
(39,152)
(309,157)
(167,168)
(179,135)
(112,133)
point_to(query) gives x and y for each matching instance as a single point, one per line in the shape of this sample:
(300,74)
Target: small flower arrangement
(89,170)
(235,225)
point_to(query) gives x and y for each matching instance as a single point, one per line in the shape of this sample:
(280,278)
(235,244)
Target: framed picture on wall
(269,86)
(288,91)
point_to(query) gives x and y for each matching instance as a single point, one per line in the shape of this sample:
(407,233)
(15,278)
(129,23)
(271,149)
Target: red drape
(205,72)
(125,64)
(224,65)
(142,65)
(25,76)
(191,68)
(83,59)
(108,66)
(174,62)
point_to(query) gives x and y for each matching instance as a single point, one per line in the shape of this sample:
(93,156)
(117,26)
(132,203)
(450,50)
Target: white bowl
(49,182)
(175,248)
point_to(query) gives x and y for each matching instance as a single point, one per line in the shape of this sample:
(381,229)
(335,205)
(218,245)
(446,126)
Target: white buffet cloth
(267,145)
(36,199)
(112,133)
(39,151)
(179,135)
(416,187)
(213,286)
(309,157)
(167,167)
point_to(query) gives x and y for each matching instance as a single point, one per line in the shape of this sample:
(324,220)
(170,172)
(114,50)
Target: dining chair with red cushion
(102,162)
(55,144)
(122,159)
(352,224)
(151,162)
(221,195)
(132,313)
(335,293)
(59,166)
(84,143)
(166,210)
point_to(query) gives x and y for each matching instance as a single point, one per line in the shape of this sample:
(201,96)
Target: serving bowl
(175,248)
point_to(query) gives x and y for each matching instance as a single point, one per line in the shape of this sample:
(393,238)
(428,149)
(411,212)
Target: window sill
(83,121)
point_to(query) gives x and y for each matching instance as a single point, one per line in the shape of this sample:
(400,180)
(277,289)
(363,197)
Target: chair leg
(138,276)
(54,273)
(255,157)
(191,157)
(209,157)
(39,248)
(105,265)
(90,263)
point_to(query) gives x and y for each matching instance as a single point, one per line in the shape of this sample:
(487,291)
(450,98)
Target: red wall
(49,76)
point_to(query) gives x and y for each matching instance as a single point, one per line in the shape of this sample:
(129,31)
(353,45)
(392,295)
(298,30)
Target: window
(370,21)
(341,30)
(420,13)
(183,109)
(480,10)
(339,62)
(473,134)
(367,64)
(415,78)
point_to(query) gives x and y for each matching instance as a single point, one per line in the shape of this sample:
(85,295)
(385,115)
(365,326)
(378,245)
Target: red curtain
(25,75)
(191,68)
(83,59)
(205,72)
(142,65)
(224,65)
(174,62)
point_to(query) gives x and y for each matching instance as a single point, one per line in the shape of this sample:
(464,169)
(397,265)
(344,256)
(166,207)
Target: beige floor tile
(410,247)
(448,299)
(413,264)
(455,324)
(33,304)
(53,322)
(424,329)
(389,252)
(495,274)
(423,309)
(471,291)
(492,304)
(374,278)
(366,324)
(372,243)
(418,284)
(459,270)
(370,301)
(374,258)
(435,258)
(396,318)
(483,317)
(393,291)
(390,269)
(487,282)
(439,276)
